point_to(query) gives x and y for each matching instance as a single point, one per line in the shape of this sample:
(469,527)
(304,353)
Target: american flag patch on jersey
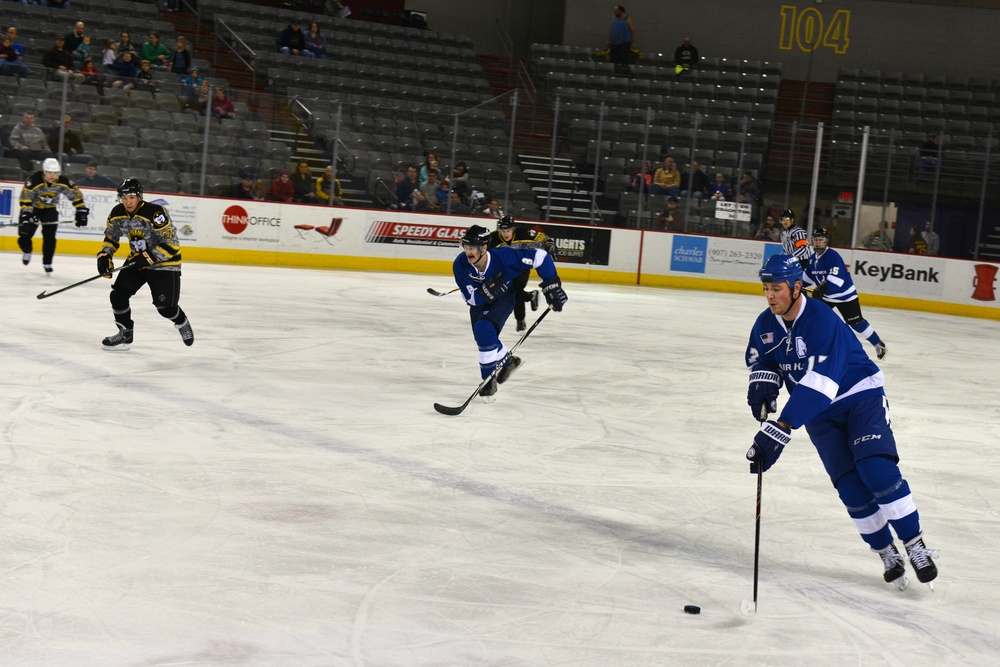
(767,338)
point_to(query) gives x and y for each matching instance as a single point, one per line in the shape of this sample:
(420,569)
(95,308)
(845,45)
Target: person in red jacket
(281,188)
(222,106)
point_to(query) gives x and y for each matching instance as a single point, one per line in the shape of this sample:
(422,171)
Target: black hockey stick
(431,290)
(445,410)
(57,222)
(45,295)
(756,537)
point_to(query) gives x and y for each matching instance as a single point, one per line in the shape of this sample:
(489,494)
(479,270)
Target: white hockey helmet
(51,164)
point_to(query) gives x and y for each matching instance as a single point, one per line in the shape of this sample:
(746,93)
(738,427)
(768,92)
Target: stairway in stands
(804,103)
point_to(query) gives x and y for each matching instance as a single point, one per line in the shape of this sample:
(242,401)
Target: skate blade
(489,399)
(901,583)
(124,347)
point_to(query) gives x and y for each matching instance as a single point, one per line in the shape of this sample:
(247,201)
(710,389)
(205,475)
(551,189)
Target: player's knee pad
(119,301)
(881,476)
(485,333)
(856,496)
(169,312)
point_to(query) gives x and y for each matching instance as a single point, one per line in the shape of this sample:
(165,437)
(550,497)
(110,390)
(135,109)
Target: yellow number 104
(806,30)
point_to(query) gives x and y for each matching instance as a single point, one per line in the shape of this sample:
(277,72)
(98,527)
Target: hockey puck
(692,609)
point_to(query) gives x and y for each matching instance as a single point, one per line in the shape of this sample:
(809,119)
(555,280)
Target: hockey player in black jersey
(155,260)
(39,199)
(518,237)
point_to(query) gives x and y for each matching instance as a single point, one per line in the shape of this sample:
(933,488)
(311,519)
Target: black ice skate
(47,267)
(508,370)
(25,258)
(921,560)
(187,335)
(881,351)
(488,393)
(120,341)
(534,300)
(521,326)
(895,567)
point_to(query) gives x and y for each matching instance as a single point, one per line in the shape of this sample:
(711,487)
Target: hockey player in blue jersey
(835,287)
(837,393)
(484,278)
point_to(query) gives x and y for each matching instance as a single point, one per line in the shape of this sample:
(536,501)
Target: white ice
(283,493)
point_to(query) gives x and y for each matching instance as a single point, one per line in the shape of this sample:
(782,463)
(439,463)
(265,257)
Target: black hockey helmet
(787,213)
(506,222)
(821,232)
(130,186)
(476,235)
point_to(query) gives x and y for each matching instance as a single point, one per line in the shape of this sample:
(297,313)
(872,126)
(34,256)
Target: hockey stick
(18,224)
(45,295)
(445,410)
(756,538)
(431,290)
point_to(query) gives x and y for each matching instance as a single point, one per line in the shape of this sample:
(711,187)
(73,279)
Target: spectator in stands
(878,239)
(72,145)
(85,49)
(303,184)
(719,190)
(243,189)
(493,210)
(671,219)
(315,42)
(686,57)
(421,204)
(281,188)
(91,75)
(192,81)
(694,182)
(10,63)
(460,180)
(748,188)
(95,180)
(292,40)
(125,45)
(180,59)
(56,4)
(259,191)
(144,77)
(124,71)
(642,181)
(155,52)
(430,161)
(621,40)
(74,38)
(197,100)
(768,230)
(443,188)
(222,106)
(323,188)
(29,142)
(458,207)
(430,186)
(667,179)
(109,56)
(916,244)
(928,157)
(14,43)
(931,238)
(405,187)
(59,64)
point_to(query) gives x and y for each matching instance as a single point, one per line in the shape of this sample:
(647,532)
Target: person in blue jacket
(484,277)
(837,393)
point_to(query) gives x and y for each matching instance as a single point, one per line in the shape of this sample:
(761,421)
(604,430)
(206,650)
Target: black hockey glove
(819,290)
(552,249)
(762,395)
(27,217)
(82,214)
(140,260)
(554,294)
(767,445)
(494,288)
(105,264)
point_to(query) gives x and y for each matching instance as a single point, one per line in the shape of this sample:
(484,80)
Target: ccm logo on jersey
(866,438)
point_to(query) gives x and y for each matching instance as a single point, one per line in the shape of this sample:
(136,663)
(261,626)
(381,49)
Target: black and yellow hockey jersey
(149,230)
(523,238)
(41,195)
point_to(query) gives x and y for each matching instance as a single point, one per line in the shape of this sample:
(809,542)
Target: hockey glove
(767,445)
(762,395)
(82,214)
(552,249)
(27,217)
(105,264)
(819,290)
(554,294)
(140,260)
(494,288)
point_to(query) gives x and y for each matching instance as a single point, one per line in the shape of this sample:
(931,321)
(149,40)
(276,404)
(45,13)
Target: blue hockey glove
(27,217)
(494,288)
(762,395)
(105,265)
(140,260)
(554,294)
(81,216)
(767,445)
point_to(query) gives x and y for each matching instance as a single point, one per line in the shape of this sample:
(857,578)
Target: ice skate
(508,370)
(120,341)
(488,392)
(47,267)
(187,335)
(521,326)
(25,258)
(534,300)
(895,567)
(921,558)
(881,351)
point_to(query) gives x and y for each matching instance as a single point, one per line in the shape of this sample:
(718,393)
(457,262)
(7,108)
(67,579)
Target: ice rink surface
(283,493)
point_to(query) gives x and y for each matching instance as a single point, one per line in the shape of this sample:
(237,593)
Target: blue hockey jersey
(508,259)
(830,266)
(824,367)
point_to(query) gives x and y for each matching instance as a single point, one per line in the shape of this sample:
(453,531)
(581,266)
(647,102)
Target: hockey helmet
(781,268)
(130,186)
(506,222)
(50,164)
(820,232)
(787,213)
(476,235)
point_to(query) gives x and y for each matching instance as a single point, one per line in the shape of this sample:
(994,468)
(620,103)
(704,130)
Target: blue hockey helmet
(781,269)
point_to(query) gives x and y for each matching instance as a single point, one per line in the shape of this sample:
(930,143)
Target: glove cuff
(765,376)
(776,431)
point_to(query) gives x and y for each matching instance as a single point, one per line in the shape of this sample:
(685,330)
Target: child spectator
(180,59)
(222,106)
(281,188)
(84,49)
